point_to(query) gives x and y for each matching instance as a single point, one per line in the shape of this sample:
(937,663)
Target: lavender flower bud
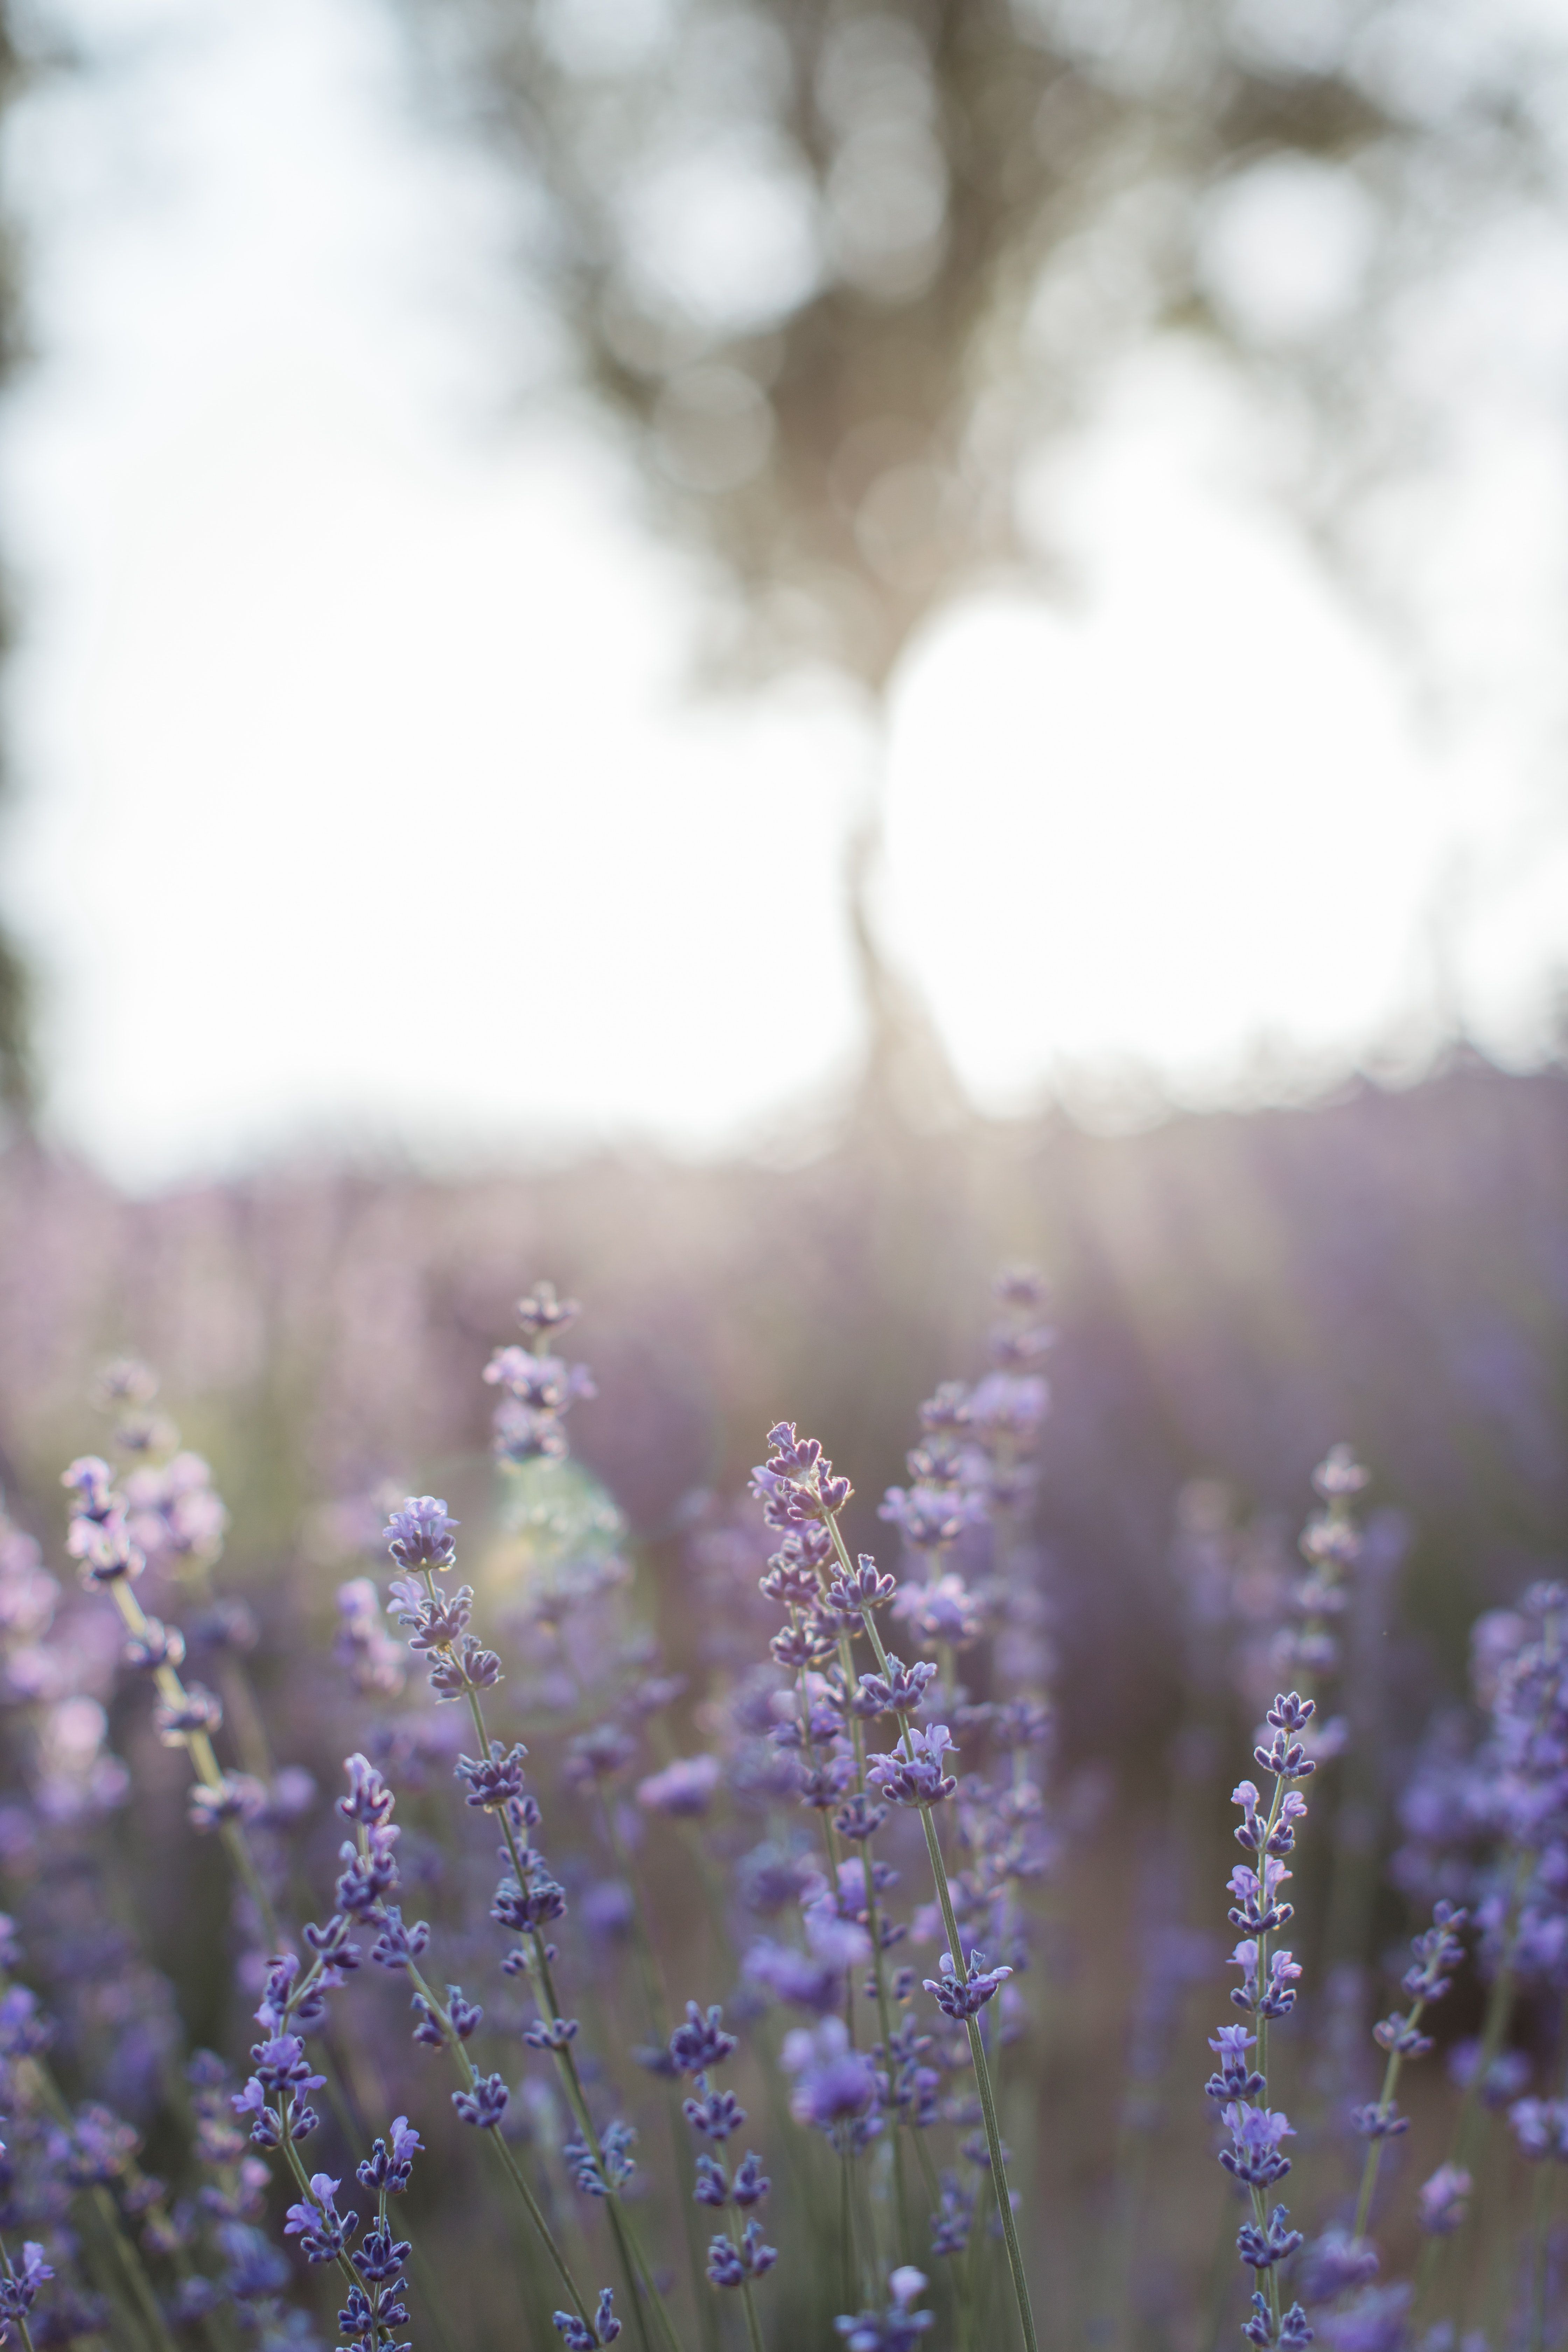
(1254,2154)
(420,1536)
(701,2042)
(1261,2249)
(716,2115)
(867,1589)
(484,2104)
(396,1945)
(494,1781)
(543,1312)
(899,1692)
(390,2163)
(580,2336)
(198,1710)
(966,1995)
(156,1645)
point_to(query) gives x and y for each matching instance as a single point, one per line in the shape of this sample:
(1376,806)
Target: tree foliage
(837,268)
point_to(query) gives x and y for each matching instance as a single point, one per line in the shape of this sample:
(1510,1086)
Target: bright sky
(362,794)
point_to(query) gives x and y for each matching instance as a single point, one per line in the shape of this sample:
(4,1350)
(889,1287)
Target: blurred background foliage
(1233,1293)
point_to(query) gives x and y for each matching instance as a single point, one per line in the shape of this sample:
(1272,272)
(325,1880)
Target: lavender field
(965,1744)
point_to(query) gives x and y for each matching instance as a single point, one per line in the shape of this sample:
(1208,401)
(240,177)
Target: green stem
(653,2003)
(1539,2233)
(126,2255)
(208,1770)
(544,1989)
(1374,2147)
(878,1964)
(846,2250)
(509,2162)
(976,2042)
(748,2305)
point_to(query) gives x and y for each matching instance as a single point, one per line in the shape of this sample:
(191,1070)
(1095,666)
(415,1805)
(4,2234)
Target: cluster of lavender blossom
(851,1806)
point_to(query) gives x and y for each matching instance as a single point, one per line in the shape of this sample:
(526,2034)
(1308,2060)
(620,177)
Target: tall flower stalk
(800,1490)
(1239,2084)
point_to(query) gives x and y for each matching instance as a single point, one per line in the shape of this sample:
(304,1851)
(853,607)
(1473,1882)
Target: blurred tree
(15,1060)
(839,267)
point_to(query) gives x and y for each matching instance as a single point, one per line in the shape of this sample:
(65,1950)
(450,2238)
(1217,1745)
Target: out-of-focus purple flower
(834,2084)
(235,1797)
(943,1610)
(790,1975)
(604,2170)
(1334,2265)
(363,1644)
(596,1754)
(1442,2201)
(896,2329)
(1505,2078)
(1377,2321)
(1540,2127)
(95,2151)
(927,1517)
(951,2225)
(543,1311)
(24,2030)
(684,1789)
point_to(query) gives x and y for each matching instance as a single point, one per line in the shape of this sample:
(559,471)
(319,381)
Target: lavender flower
(583,2335)
(913,1774)
(966,1995)
(896,2328)
(1540,2127)
(836,2087)
(1255,2156)
(1441,2200)
(420,1536)
(684,1789)
(484,2103)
